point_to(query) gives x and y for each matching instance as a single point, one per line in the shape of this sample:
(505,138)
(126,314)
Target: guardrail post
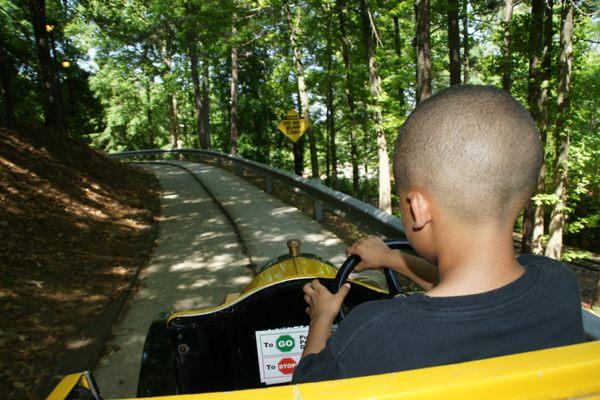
(318,213)
(239,170)
(269,185)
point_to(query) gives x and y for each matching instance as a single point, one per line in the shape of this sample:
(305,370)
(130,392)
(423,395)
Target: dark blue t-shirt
(540,309)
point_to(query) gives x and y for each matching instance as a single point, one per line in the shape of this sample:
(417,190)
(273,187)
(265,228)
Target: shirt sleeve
(322,366)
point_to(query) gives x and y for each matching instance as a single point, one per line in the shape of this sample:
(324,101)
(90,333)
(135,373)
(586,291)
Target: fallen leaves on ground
(74,227)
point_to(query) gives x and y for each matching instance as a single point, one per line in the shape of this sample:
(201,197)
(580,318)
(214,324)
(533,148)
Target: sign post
(293,126)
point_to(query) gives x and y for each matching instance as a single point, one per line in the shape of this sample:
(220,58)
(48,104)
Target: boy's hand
(373,253)
(322,304)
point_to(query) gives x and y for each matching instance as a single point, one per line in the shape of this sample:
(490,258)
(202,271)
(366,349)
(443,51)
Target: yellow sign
(293,126)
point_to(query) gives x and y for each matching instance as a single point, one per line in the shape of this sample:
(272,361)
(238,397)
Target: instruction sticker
(279,352)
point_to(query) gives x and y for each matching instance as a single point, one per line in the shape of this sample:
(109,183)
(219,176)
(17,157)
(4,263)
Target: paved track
(198,259)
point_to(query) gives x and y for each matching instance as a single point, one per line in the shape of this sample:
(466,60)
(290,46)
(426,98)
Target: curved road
(198,260)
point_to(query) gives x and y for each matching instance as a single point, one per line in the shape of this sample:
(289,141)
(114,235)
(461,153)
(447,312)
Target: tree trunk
(331,111)
(536,34)
(557,220)
(54,58)
(66,91)
(423,50)
(294,32)
(175,139)
(298,150)
(385,192)
(6,73)
(398,49)
(349,96)
(53,113)
(234,92)
(541,82)
(453,42)
(234,101)
(172,98)
(466,46)
(533,217)
(366,188)
(506,62)
(546,69)
(327,154)
(198,106)
(540,75)
(206,103)
(149,113)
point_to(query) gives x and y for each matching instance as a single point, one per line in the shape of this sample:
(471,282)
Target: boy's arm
(318,333)
(322,308)
(417,269)
(374,254)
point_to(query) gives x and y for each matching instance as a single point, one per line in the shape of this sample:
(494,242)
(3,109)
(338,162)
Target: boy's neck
(475,261)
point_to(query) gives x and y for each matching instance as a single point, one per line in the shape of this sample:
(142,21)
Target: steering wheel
(391,277)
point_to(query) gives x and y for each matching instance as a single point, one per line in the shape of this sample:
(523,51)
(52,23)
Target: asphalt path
(198,259)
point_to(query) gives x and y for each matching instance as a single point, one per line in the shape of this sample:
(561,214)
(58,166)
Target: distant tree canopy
(221,74)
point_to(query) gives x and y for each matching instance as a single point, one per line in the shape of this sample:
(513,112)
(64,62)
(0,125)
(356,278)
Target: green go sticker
(285,343)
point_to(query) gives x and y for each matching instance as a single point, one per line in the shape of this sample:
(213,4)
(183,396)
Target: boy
(466,161)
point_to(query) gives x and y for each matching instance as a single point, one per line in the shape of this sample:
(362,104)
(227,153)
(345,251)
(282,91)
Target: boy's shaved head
(474,148)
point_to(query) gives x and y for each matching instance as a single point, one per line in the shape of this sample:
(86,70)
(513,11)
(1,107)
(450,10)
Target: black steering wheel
(391,276)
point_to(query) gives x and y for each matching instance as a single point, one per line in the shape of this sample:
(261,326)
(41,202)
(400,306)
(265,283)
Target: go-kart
(248,347)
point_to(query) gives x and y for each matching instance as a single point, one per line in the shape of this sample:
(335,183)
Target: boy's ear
(420,209)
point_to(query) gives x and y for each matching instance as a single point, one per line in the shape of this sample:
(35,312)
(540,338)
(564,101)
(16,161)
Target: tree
(533,216)
(561,132)
(199,101)
(398,50)
(506,54)
(330,112)
(53,108)
(6,73)
(423,50)
(168,76)
(369,31)
(234,89)
(349,90)
(294,26)
(465,42)
(454,42)
(206,102)
(546,69)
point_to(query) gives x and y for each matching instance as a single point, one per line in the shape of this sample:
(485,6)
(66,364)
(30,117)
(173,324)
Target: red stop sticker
(286,365)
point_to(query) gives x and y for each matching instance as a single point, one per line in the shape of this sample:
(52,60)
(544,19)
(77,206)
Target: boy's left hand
(322,304)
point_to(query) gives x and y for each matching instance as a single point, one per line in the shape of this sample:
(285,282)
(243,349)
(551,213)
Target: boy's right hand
(373,252)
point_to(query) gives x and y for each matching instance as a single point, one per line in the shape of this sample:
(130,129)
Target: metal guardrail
(367,217)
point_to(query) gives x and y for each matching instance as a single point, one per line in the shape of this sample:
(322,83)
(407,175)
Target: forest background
(221,74)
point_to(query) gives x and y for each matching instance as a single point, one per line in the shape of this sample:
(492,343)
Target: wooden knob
(294,247)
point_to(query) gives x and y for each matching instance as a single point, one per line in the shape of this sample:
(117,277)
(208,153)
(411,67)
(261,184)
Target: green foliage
(131,58)
(572,255)
(82,110)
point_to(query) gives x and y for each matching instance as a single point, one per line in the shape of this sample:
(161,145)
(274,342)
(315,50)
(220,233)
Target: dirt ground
(75,227)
